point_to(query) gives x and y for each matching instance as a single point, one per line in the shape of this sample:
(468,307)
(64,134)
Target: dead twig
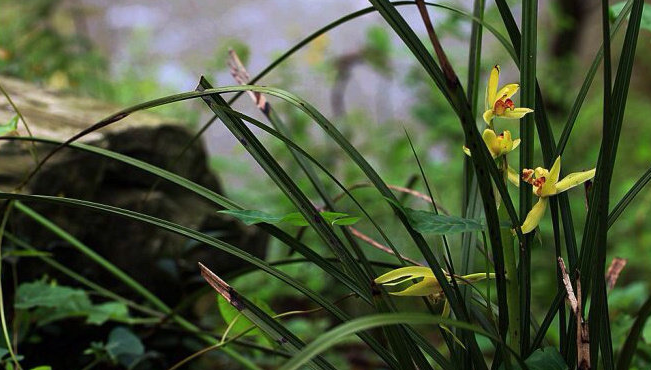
(582,334)
(378,245)
(615,268)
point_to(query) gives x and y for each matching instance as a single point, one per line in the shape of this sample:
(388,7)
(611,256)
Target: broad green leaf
(430,223)
(10,126)
(346,221)
(101,313)
(44,367)
(251,217)
(42,294)
(54,302)
(333,218)
(124,347)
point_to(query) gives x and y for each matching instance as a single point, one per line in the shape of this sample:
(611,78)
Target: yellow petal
(506,92)
(574,179)
(467,151)
(491,88)
(423,288)
(555,171)
(549,188)
(506,144)
(405,273)
(488,116)
(541,172)
(516,143)
(516,113)
(514,178)
(446,310)
(490,138)
(534,216)
(473,278)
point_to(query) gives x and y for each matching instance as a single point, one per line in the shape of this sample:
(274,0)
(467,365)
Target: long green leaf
(469,191)
(452,91)
(593,249)
(268,163)
(528,51)
(284,183)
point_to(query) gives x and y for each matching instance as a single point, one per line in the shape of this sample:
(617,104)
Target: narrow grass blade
(528,51)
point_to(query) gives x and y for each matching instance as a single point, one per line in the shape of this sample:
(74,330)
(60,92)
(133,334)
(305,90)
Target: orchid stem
(510,266)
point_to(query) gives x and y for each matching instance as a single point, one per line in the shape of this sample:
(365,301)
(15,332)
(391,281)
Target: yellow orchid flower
(498,102)
(545,184)
(498,145)
(426,287)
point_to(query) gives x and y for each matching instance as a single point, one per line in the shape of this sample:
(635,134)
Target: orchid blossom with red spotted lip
(545,184)
(498,101)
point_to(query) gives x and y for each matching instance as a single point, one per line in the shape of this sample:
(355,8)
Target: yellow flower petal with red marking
(545,184)
(534,216)
(498,101)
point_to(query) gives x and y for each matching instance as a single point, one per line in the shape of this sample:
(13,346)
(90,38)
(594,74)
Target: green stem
(9,207)
(511,269)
